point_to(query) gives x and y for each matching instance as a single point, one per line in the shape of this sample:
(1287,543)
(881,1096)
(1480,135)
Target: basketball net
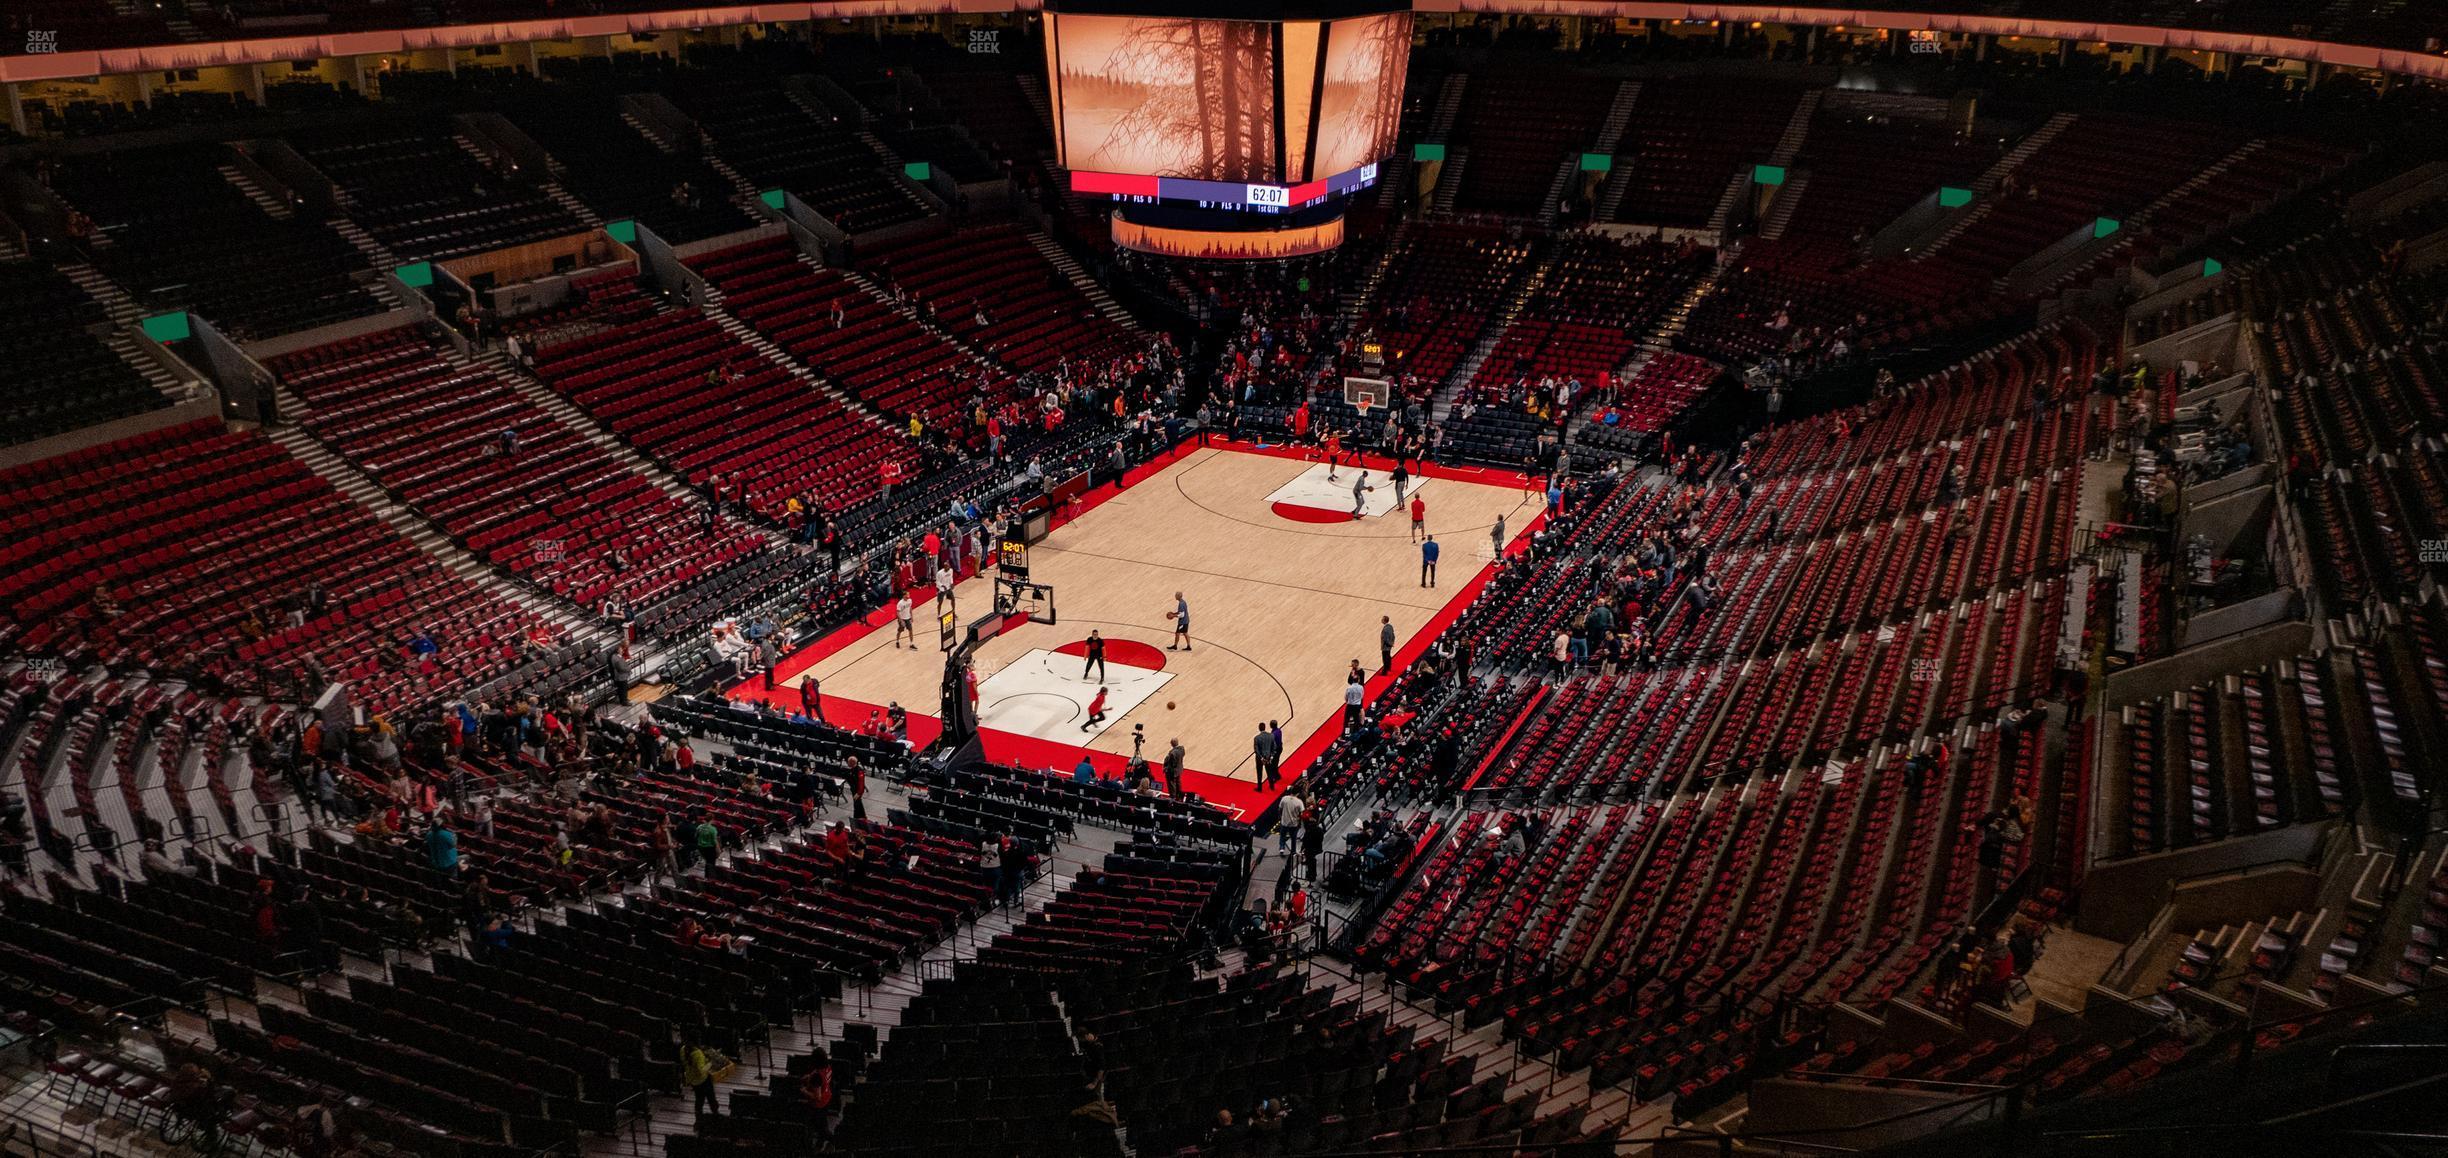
(1362,407)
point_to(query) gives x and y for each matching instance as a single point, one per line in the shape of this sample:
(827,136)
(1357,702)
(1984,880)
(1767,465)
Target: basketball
(1168,705)
(1169,616)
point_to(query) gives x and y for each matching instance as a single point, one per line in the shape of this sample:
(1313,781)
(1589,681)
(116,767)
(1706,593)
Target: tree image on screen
(1175,98)
(1360,110)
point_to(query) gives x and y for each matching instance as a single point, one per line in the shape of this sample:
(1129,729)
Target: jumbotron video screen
(1232,102)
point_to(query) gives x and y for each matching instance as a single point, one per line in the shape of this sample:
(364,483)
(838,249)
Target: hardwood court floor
(1279,608)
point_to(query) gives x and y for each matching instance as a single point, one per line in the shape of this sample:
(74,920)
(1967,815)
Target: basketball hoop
(1364,394)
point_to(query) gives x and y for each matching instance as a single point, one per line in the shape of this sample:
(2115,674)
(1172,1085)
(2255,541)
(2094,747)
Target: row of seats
(182,237)
(1688,137)
(677,386)
(60,375)
(1520,127)
(426,195)
(212,578)
(882,355)
(1442,283)
(1034,317)
(512,483)
(752,123)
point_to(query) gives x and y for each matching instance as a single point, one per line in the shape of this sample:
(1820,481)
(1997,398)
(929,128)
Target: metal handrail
(2246,1033)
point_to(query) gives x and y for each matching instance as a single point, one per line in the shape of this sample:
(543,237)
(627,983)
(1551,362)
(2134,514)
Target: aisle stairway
(1061,259)
(430,539)
(1990,179)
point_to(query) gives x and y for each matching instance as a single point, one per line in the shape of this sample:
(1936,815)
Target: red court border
(1246,800)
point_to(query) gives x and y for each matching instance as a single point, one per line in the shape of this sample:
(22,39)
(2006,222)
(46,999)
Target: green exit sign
(166,327)
(1768,175)
(1424,152)
(1597,163)
(918,170)
(2105,226)
(623,231)
(1950,197)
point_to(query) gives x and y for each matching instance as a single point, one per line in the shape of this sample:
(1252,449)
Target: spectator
(442,848)
(700,1068)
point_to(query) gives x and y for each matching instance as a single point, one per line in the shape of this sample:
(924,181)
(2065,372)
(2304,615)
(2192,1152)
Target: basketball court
(1280,605)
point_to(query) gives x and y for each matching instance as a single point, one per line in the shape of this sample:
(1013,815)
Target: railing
(2243,1038)
(2162,917)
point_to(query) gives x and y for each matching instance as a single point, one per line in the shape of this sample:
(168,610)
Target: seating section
(754,124)
(1522,126)
(1688,138)
(2356,394)
(1442,285)
(675,385)
(60,375)
(210,577)
(1703,819)
(182,237)
(980,1054)
(424,193)
(1664,387)
(888,359)
(1864,168)
(1799,294)
(1178,1048)
(900,107)
(2101,166)
(2257,750)
(1034,317)
(506,479)
(989,104)
(618,173)
(1599,298)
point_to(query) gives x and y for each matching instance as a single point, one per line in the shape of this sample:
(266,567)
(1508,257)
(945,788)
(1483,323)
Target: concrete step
(1448,107)
(1449,180)
(1996,174)
(106,293)
(576,208)
(868,286)
(272,206)
(1797,128)
(1781,211)
(498,364)
(429,538)
(749,336)
(376,253)
(1061,260)
(631,120)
